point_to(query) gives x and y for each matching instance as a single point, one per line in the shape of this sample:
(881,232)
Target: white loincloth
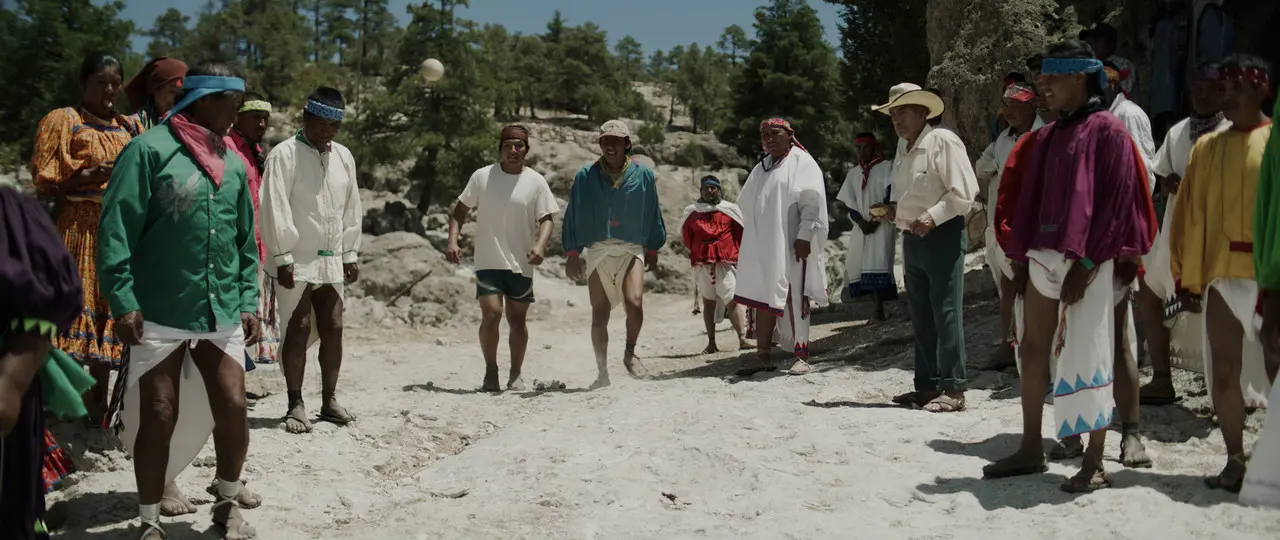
(287,301)
(610,260)
(1262,482)
(194,423)
(1241,296)
(1083,368)
(1159,273)
(715,282)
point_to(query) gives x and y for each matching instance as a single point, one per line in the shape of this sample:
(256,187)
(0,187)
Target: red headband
(1019,93)
(866,139)
(777,122)
(1255,76)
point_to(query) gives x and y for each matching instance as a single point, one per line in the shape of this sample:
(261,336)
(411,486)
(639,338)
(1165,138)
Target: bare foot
(1068,448)
(516,383)
(745,344)
(1133,454)
(1092,477)
(227,515)
(1159,391)
(490,380)
(1231,479)
(247,499)
(1021,463)
(633,365)
(334,413)
(296,421)
(711,348)
(173,503)
(601,382)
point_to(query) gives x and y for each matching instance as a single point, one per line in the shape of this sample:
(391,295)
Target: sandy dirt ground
(692,453)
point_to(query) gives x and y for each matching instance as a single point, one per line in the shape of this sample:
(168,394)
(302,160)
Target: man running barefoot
(513,226)
(613,214)
(1076,236)
(783,266)
(311,225)
(712,230)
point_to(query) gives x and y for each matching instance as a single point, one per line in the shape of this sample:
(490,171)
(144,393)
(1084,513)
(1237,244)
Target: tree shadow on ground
(94,510)
(172,530)
(431,387)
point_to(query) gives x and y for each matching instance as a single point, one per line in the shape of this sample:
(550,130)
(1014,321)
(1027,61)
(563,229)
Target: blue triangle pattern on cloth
(1063,388)
(1082,426)
(1080,384)
(1104,421)
(1098,378)
(1065,430)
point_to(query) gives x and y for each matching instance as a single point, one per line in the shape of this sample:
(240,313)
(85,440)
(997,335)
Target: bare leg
(490,320)
(1151,316)
(600,309)
(1226,338)
(158,401)
(878,309)
(765,322)
(1092,476)
(1003,357)
(633,302)
(708,319)
(99,395)
(517,320)
(1132,452)
(224,382)
(737,317)
(293,359)
(328,306)
(1041,321)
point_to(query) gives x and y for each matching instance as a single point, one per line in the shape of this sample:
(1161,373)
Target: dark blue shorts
(515,286)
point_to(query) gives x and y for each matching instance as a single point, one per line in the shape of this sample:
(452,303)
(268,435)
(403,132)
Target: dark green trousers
(934,275)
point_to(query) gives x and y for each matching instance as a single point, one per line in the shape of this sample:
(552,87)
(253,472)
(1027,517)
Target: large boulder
(391,265)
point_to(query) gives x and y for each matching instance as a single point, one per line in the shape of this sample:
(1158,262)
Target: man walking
(612,222)
(934,186)
(311,225)
(712,231)
(1076,237)
(782,265)
(869,261)
(245,140)
(513,225)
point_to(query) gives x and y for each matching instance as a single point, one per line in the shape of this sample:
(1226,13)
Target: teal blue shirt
(171,243)
(597,211)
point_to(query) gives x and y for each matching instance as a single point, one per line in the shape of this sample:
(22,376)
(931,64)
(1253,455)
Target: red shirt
(712,237)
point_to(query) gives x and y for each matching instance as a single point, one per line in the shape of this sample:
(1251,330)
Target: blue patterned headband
(323,111)
(1092,67)
(710,181)
(198,86)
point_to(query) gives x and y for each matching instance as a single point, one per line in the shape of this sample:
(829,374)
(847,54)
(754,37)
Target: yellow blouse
(1212,232)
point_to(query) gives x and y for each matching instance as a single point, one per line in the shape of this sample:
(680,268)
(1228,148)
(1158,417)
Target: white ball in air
(432,70)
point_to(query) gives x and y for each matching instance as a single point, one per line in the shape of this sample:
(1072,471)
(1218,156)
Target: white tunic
(868,254)
(1174,154)
(1139,127)
(780,206)
(990,167)
(310,212)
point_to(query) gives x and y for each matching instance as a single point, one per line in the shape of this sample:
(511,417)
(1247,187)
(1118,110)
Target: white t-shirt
(508,209)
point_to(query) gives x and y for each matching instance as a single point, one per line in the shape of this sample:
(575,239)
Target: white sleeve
(352,215)
(1163,165)
(279,232)
(470,196)
(951,164)
(545,205)
(811,197)
(847,195)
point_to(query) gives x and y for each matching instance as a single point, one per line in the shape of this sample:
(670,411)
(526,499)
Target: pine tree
(791,72)
(733,42)
(169,33)
(631,57)
(881,45)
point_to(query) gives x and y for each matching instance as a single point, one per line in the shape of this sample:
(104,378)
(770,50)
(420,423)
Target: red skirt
(56,465)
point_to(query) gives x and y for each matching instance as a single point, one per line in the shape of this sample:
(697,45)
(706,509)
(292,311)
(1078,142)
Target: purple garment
(1085,193)
(38,277)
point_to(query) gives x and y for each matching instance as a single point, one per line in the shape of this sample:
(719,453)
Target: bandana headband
(866,140)
(256,105)
(784,124)
(1076,66)
(199,86)
(1253,76)
(710,181)
(1019,93)
(323,111)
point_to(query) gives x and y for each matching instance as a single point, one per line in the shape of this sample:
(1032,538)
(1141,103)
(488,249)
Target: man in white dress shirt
(310,222)
(934,187)
(1019,111)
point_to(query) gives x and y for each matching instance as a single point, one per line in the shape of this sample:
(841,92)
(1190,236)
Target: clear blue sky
(657,24)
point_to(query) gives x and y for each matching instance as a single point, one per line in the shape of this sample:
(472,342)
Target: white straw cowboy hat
(912,94)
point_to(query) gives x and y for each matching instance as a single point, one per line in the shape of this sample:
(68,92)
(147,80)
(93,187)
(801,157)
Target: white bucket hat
(912,94)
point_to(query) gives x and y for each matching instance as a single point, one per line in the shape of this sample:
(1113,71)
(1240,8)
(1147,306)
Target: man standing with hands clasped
(933,188)
(513,225)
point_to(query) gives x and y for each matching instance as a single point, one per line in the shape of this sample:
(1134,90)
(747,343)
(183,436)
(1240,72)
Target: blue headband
(198,86)
(1077,66)
(710,181)
(323,111)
